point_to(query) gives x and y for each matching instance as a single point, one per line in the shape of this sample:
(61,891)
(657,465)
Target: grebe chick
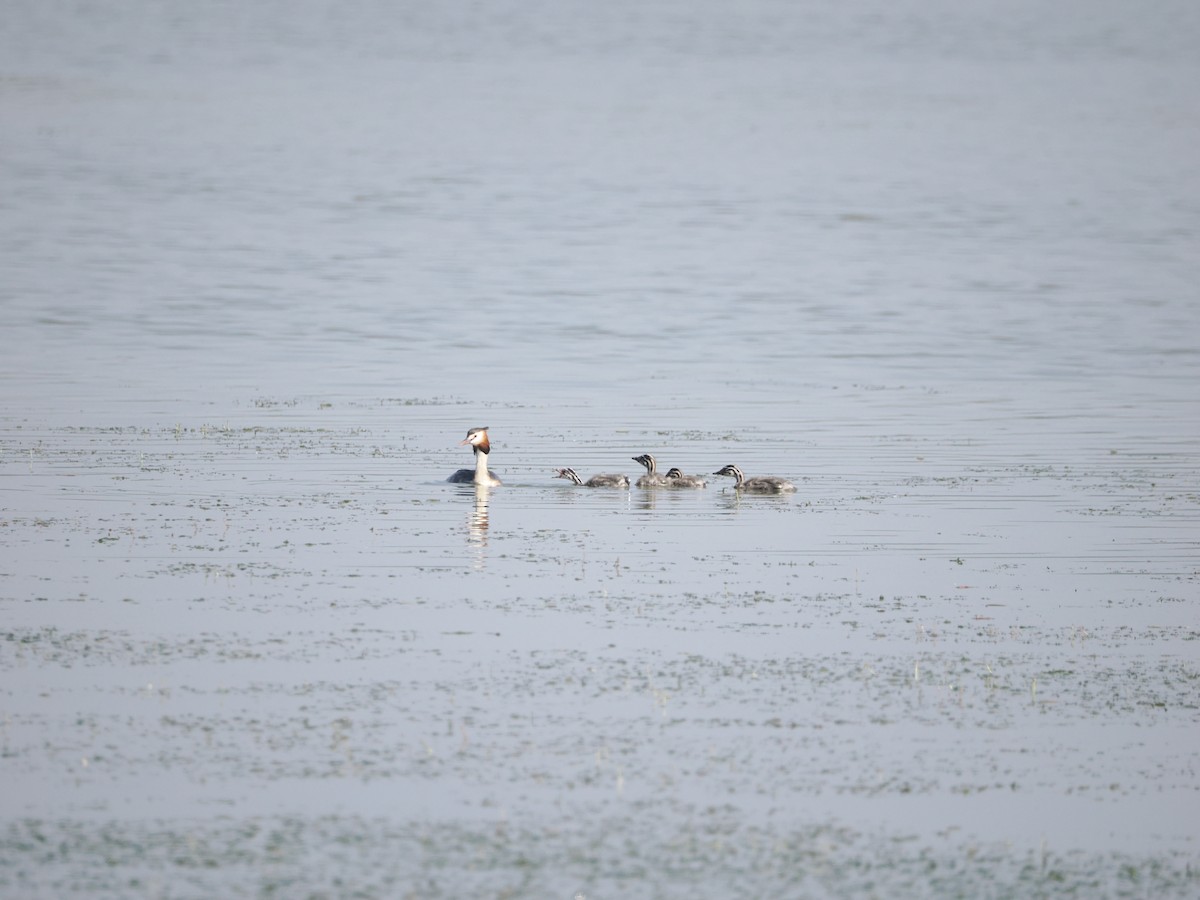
(651,478)
(761,484)
(478,439)
(616,481)
(676,479)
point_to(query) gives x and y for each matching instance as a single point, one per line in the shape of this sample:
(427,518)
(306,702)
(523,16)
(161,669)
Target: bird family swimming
(478,439)
(676,479)
(761,484)
(606,480)
(651,478)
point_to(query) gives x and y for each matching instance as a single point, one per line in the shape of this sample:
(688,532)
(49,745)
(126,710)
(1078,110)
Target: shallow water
(261,269)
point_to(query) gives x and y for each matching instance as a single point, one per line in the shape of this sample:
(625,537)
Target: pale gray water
(261,266)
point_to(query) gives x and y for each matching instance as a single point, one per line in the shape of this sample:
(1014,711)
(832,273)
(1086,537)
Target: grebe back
(676,479)
(617,481)
(761,484)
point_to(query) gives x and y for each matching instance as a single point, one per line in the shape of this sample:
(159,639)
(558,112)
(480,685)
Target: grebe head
(648,461)
(477,438)
(570,475)
(674,473)
(732,471)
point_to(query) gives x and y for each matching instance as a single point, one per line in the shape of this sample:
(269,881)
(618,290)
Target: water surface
(261,270)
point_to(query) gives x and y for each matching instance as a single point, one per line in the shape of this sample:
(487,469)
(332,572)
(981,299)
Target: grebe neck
(482,476)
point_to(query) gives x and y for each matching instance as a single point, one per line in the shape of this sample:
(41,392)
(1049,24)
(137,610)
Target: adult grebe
(762,484)
(478,439)
(676,479)
(651,478)
(617,481)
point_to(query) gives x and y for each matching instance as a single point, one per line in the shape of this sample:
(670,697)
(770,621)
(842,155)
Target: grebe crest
(761,484)
(481,447)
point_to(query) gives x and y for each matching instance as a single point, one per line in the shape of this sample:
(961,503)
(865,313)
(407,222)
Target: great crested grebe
(617,481)
(478,439)
(651,478)
(761,484)
(676,479)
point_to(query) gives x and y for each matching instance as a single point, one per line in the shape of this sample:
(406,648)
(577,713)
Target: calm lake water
(262,266)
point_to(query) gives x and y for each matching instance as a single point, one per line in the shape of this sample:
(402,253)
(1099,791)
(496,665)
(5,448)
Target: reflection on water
(477,521)
(647,498)
(732,500)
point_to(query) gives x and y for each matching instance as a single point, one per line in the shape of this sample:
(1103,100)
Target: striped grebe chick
(761,484)
(651,478)
(676,479)
(617,481)
(478,439)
